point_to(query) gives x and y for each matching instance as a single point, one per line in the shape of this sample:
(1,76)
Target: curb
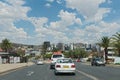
(110,65)
(113,65)
(12,70)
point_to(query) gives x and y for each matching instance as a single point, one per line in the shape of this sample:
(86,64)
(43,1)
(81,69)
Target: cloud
(55,30)
(92,33)
(60,31)
(59,1)
(8,30)
(39,23)
(48,5)
(100,14)
(89,9)
(109,1)
(44,31)
(67,19)
(68,28)
(11,11)
(109,28)
(61,28)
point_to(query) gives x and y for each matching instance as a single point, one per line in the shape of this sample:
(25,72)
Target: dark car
(97,62)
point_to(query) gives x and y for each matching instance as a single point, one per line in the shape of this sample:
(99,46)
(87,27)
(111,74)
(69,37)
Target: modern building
(47,45)
(111,52)
(60,46)
(78,45)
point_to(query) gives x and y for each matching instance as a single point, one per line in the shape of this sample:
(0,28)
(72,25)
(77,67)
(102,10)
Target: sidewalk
(113,65)
(8,67)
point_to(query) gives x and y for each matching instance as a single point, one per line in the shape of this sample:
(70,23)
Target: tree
(70,53)
(80,53)
(55,49)
(20,52)
(76,53)
(6,45)
(116,42)
(104,42)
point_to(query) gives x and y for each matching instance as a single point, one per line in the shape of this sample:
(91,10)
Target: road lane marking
(29,73)
(87,75)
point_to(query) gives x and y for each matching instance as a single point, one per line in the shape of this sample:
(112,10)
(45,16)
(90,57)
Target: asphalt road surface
(83,72)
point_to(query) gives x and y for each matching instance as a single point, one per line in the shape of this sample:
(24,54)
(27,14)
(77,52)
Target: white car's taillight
(58,66)
(72,66)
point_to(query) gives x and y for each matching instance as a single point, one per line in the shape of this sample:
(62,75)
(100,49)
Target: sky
(67,21)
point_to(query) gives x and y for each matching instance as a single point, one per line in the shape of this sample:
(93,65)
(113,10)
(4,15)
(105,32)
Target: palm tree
(6,45)
(105,44)
(116,42)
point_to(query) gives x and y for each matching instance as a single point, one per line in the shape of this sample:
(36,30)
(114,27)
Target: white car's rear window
(64,61)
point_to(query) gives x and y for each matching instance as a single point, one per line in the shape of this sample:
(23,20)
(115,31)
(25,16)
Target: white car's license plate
(65,66)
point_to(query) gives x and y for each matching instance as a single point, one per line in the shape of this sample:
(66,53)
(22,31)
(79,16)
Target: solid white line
(87,75)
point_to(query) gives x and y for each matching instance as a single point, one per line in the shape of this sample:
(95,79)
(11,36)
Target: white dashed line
(29,73)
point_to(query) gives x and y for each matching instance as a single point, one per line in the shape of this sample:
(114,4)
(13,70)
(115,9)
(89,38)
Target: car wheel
(51,67)
(96,64)
(92,64)
(55,73)
(73,73)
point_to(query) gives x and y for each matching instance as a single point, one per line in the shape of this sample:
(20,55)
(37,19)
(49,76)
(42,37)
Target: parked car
(77,60)
(97,62)
(54,58)
(83,60)
(65,65)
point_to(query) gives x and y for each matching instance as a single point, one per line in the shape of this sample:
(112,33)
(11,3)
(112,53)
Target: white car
(65,65)
(54,58)
(39,62)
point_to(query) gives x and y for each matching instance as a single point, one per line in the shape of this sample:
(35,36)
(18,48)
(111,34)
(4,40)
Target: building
(71,46)
(47,45)
(6,57)
(111,52)
(78,45)
(60,46)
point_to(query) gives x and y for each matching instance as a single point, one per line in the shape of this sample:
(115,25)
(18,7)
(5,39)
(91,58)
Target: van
(54,58)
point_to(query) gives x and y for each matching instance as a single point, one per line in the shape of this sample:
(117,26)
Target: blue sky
(67,21)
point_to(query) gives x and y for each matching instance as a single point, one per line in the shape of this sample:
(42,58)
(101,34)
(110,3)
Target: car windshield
(98,59)
(64,61)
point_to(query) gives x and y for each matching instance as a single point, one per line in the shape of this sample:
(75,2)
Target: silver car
(39,62)
(65,65)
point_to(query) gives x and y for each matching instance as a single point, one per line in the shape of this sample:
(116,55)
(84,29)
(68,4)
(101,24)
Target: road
(83,72)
